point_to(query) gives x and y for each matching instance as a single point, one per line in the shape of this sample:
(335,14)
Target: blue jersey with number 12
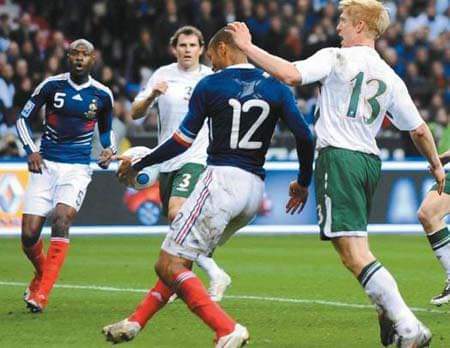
(243,105)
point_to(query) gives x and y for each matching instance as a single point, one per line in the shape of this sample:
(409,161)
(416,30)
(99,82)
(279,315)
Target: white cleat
(443,297)
(238,338)
(172,298)
(218,286)
(421,339)
(122,331)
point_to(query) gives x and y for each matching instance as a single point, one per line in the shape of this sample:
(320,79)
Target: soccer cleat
(218,286)
(32,287)
(387,330)
(421,339)
(238,338)
(122,331)
(443,297)
(36,302)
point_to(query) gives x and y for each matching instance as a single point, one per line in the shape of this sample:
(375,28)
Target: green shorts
(179,183)
(345,183)
(446,187)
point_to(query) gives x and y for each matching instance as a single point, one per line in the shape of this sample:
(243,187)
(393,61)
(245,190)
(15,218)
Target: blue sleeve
(303,137)
(105,118)
(183,138)
(39,97)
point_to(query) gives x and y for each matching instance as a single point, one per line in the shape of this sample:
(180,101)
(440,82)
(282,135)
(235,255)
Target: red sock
(155,299)
(192,291)
(55,258)
(35,254)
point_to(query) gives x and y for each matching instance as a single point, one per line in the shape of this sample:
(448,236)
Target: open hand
(241,35)
(126,174)
(299,196)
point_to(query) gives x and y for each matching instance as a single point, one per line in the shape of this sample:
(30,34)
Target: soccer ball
(148,175)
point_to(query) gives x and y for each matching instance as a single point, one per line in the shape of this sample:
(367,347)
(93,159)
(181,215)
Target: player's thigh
(72,185)
(250,191)
(38,198)
(201,222)
(345,183)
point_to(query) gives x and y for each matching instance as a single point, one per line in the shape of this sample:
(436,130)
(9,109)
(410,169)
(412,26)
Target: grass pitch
(290,291)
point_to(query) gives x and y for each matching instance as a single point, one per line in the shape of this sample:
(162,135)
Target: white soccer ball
(148,175)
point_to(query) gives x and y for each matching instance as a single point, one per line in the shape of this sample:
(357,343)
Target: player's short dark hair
(187,30)
(222,36)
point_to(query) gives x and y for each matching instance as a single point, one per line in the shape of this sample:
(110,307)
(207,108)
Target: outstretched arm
(278,67)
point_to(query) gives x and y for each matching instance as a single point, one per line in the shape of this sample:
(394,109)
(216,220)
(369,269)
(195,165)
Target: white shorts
(59,183)
(224,200)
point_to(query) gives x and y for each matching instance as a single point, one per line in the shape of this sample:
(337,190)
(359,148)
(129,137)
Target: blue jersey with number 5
(71,112)
(243,105)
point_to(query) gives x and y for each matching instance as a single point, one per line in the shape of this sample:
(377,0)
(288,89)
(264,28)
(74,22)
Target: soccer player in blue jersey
(243,105)
(60,173)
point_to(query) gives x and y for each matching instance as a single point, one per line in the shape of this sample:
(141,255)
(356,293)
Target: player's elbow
(290,75)
(419,132)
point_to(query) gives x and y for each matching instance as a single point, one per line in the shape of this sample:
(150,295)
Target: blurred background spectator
(132,39)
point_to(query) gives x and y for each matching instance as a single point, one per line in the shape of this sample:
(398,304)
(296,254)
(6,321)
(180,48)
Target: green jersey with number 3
(358,89)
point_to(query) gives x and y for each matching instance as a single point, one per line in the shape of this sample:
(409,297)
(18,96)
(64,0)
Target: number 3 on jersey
(245,142)
(373,102)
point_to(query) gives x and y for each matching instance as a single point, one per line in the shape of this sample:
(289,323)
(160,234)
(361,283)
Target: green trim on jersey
(179,183)
(345,183)
(446,187)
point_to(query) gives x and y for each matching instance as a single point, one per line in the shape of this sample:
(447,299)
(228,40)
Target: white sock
(382,289)
(209,266)
(440,243)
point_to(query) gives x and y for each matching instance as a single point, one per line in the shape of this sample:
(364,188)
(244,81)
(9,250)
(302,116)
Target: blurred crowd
(132,40)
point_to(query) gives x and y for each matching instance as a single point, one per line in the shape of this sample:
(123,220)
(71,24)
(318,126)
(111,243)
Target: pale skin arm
(278,67)
(424,142)
(139,107)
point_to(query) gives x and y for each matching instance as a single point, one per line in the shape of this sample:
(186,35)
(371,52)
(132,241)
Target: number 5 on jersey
(238,109)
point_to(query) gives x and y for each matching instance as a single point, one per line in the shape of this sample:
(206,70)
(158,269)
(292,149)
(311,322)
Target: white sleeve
(147,90)
(402,111)
(318,66)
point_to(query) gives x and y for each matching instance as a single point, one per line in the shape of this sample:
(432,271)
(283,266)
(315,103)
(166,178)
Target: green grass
(294,267)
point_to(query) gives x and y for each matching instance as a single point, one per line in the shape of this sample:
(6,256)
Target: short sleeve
(402,111)
(318,66)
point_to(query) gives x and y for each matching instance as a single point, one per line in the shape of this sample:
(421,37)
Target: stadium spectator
(39,32)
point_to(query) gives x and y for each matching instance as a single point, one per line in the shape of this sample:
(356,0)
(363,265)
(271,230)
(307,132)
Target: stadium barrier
(110,208)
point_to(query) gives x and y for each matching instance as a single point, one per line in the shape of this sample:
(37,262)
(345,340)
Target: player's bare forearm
(139,107)
(423,140)
(278,67)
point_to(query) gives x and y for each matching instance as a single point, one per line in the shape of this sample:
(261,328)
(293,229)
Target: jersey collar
(241,66)
(77,86)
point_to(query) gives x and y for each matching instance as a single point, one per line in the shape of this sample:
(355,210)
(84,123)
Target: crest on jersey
(92,113)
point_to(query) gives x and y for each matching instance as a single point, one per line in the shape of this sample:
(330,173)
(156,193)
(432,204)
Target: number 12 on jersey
(238,109)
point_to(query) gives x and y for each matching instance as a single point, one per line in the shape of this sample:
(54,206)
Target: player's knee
(60,226)
(425,215)
(30,233)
